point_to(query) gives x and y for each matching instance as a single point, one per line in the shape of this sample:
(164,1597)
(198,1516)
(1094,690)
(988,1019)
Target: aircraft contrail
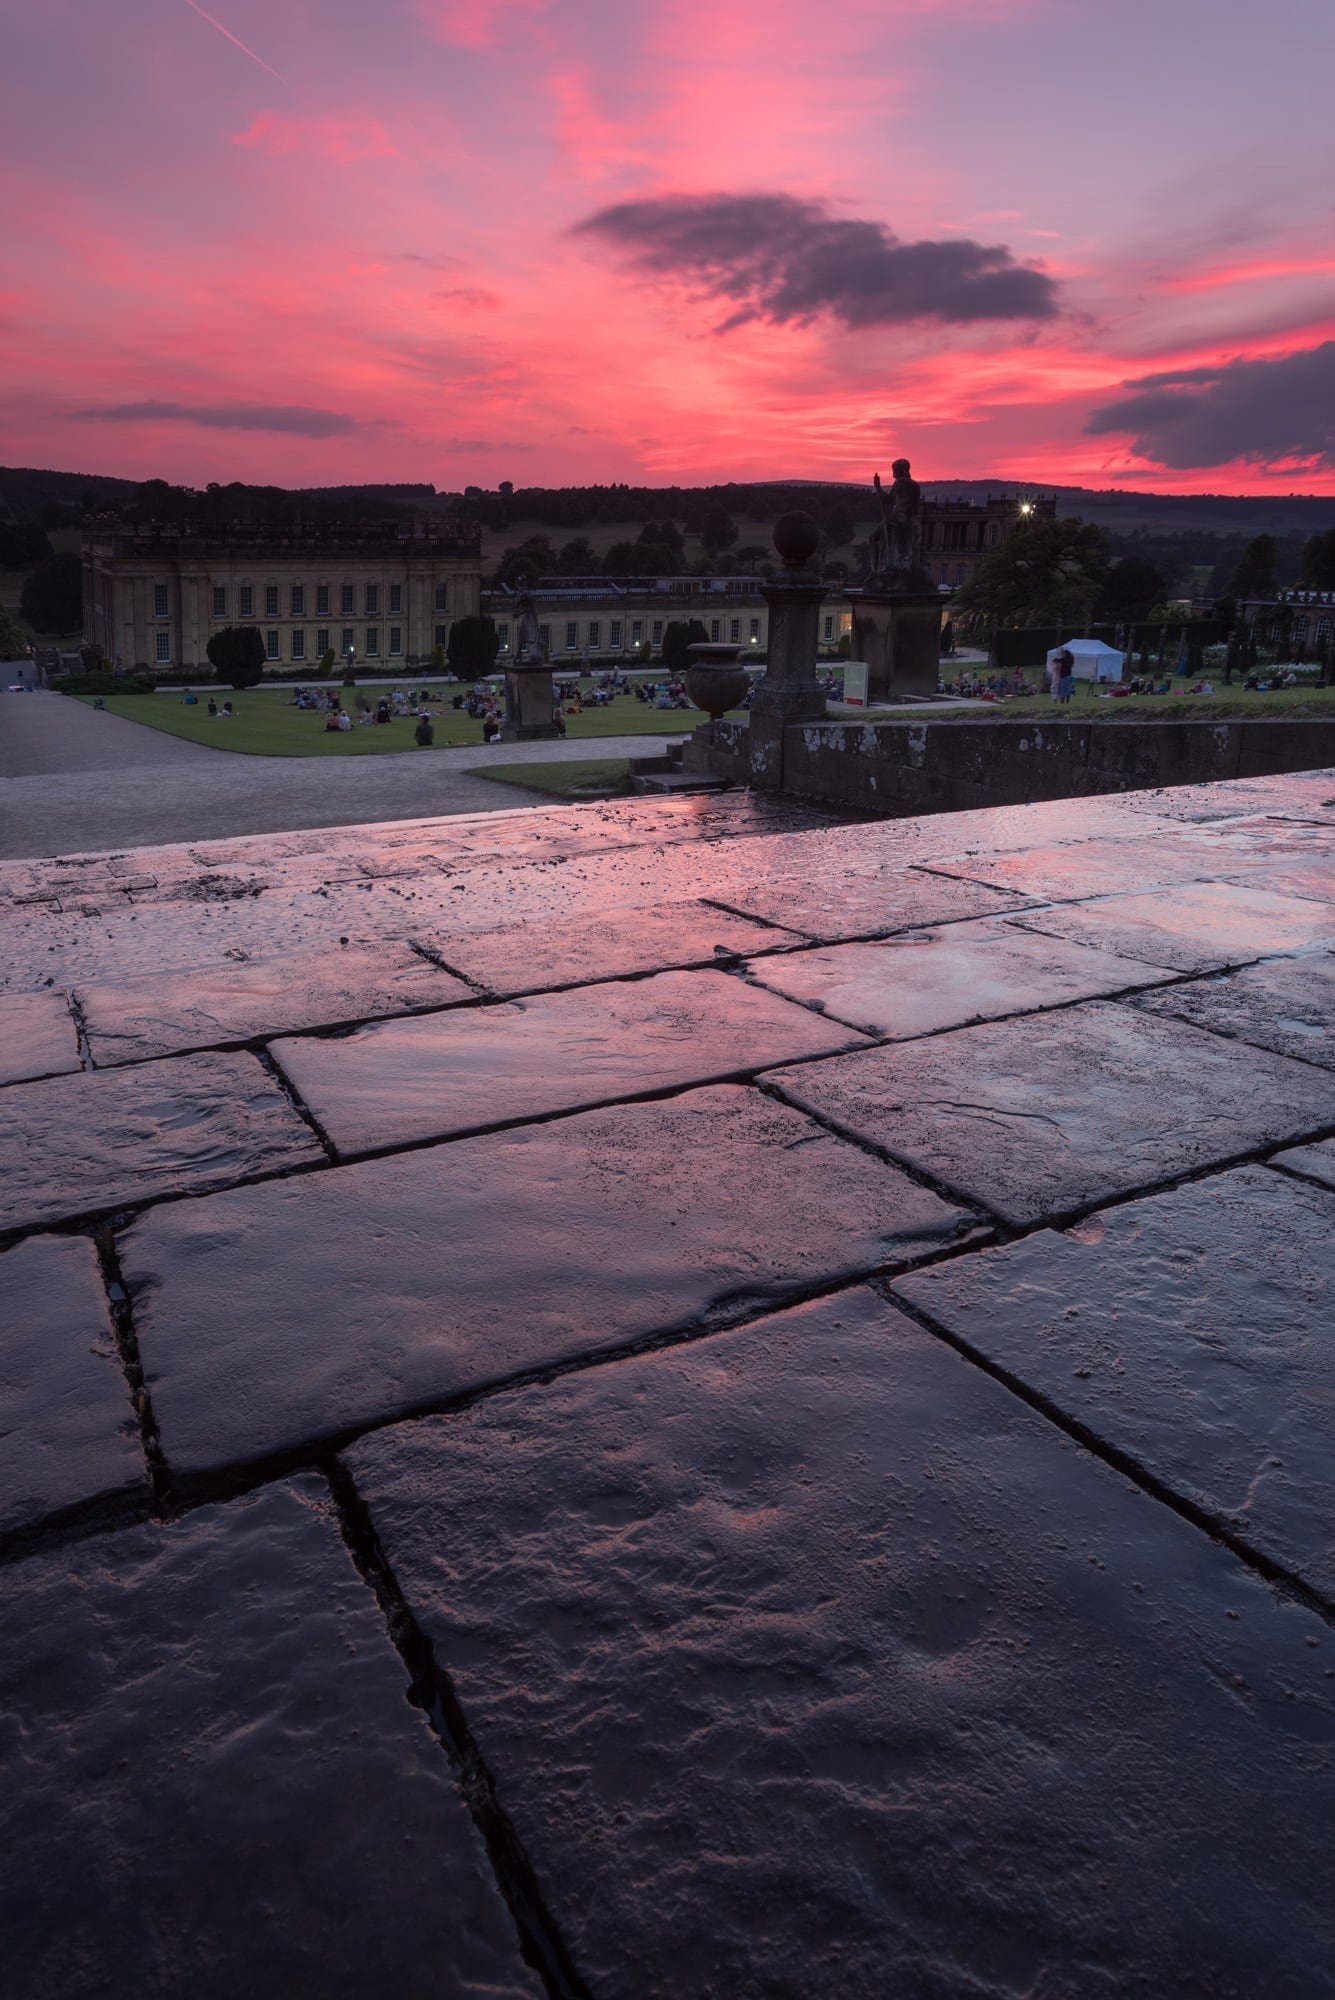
(234,39)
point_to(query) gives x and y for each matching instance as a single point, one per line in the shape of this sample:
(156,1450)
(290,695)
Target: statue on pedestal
(528,639)
(896,545)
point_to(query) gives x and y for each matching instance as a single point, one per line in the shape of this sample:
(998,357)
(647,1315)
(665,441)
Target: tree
(1257,573)
(577,558)
(237,654)
(678,636)
(718,531)
(749,555)
(474,644)
(839,525)
(52,598)
(1318,570)
(1130,588)
(326,664)
(22,543)
(1048,573)
(13,645)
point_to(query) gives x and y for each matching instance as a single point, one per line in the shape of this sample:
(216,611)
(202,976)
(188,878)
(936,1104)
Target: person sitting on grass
(491,729)
(213,706)
(227,710)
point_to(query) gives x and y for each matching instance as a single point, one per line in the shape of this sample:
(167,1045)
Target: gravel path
(72,780)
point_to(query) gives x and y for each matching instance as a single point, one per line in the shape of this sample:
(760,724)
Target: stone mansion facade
(153,596)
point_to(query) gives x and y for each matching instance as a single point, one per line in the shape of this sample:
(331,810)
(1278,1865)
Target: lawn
(266,726)
(586,777)
(1225,704)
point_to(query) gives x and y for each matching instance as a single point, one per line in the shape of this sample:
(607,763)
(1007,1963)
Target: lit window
(247,601)
(372,599)
(159,600)
(322,600)
(396,597)
(322,641)
(396,639)
(614,635)
(572,637)
(735,629)
(442,598)
(503,634)
(595,632)
(271,600)
(636,631)
(372,641)
(298,645)
(347,602)
(162,642)
(219,602)
(755,631)
(298,600)
(442,635)
(271,645)
(829,628)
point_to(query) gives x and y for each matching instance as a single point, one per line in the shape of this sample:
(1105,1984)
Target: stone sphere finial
(797,538)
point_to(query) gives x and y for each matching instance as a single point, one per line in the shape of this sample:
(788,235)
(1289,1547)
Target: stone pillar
(788,692)
(898,634)
(529,704)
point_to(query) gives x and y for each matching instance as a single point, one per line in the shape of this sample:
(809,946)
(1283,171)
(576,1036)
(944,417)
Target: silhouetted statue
(896,545)
(528,639)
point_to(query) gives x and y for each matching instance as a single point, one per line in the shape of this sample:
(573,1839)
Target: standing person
(424,735)
(1063,674)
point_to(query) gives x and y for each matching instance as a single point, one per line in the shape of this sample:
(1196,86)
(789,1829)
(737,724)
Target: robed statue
(896,543)
(528,638)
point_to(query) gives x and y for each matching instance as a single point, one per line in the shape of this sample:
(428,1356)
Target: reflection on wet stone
(837,1670)
(37,1036)
(1197,929)
(1286,1005)
(506,1253)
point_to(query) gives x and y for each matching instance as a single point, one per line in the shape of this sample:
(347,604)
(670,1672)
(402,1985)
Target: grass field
(1225,704)
(606,776)
(265,726)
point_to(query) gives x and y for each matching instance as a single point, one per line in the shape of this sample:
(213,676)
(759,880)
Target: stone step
(678,781)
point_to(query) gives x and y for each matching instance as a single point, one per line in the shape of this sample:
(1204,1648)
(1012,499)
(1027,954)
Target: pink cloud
(352,137)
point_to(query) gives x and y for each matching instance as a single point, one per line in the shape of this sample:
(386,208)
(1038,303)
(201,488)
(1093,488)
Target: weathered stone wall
(923,766)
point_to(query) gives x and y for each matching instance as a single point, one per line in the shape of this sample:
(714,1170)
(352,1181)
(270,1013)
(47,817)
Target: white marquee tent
(1093,660)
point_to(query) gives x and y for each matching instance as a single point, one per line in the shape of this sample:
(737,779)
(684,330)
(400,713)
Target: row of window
(370,643)
(616,629)
(245,596)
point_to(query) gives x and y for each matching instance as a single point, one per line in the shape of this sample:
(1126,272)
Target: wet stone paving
(678,1400)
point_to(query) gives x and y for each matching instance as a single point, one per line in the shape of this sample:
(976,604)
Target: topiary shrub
(238,655)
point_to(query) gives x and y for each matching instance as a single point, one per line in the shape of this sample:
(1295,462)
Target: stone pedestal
(530,703)
(788,691)
(898,634)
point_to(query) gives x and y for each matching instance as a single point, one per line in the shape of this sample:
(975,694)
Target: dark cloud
(1262,411)
(290,417)
(785,259)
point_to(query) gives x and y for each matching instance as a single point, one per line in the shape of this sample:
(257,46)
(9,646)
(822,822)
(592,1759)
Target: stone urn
(715,680)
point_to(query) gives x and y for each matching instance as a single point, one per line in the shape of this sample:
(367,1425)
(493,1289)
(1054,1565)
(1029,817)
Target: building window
(298,645)
(298,600)
(503,634)
(219,602)
(271,600)
(545,638)
(1300,631)
(636,631)
(442,599)
(322,641)
(396,639)
(614,635)
(247,601)
(658,631)
(162,644)
(755,631)
(572,637)
(271,645)
(346,646)
(1322,631)
(372,600)
(159,600)
(347,600)
(734,629)
(372,641)
(595,632)
(442,634)
(715,626)
(322,600)
(829,628)
(396,597)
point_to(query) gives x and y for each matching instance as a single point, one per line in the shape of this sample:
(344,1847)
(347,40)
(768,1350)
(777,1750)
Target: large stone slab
(921,981)
(215,1785)
(37,1036)
(78,1145)
(1194,929)
(526,958)
(312,1307)
(1193,1331)
(160,1013)
(1317,1162)
(1122,862)
(1042,1116)
(808,1661)
(836,900)
(67,1429)
(1285,1004)
(404,1081)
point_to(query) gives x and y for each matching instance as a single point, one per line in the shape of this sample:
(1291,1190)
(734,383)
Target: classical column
(788,691)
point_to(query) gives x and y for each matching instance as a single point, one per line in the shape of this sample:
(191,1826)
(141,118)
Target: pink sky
(315,241)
